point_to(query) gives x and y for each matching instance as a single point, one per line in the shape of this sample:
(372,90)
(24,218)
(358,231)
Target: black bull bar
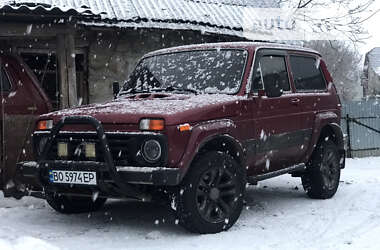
(121,186)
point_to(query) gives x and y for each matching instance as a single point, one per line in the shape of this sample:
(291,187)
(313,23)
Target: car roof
(235,45)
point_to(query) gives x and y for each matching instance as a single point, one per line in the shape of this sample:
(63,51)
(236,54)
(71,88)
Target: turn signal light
(152,124)
(45,125)
(184,127)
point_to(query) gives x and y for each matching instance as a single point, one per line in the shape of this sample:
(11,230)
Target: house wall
(373,82)
(111,53)
(114,54)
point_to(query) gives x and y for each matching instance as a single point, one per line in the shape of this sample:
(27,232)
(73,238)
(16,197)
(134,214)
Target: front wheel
(71,205)
(210,199)
(321,180)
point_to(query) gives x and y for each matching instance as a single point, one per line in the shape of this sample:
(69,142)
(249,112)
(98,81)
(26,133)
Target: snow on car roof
(243,45)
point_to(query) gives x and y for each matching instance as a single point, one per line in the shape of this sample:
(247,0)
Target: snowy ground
(278,216)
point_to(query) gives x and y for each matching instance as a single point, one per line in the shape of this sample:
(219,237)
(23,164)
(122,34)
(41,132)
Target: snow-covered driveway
(278,216)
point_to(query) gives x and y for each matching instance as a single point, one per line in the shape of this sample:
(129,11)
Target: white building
(371,76)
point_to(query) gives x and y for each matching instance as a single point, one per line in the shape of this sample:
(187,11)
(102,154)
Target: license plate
(72,177)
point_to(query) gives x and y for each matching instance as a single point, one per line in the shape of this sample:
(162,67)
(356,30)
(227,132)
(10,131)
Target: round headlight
(151,151)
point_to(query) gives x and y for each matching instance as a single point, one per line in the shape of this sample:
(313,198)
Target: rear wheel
(322,178)
(70,204)
(210,199)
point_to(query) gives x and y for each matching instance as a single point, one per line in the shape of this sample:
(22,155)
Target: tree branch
(300,5)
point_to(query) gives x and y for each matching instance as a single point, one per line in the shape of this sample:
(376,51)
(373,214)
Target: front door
(277,120)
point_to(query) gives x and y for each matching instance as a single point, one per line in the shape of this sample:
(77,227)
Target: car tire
(210,198)
(322,178)
(72,205)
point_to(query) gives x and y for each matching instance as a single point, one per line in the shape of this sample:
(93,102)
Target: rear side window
(307,74)
(271,70)
(5,83)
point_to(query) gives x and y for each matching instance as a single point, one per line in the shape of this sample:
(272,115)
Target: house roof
(214,16)
(373,58)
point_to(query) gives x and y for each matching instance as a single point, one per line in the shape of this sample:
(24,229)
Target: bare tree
(348,16)
(342,57)
(343,62)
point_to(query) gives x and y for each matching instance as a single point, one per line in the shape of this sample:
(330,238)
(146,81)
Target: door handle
(295,101)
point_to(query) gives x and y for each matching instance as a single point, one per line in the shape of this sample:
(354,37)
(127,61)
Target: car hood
(174,108)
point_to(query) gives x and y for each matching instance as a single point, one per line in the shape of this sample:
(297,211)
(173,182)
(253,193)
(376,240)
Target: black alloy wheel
(217,191)
(210,198)
(321,180)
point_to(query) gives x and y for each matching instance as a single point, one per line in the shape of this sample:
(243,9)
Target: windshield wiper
(173,88)
(133,91)
(168,89)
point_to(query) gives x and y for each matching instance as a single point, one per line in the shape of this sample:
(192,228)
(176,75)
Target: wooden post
(63,82)
(349,148)
(71,70)
(67,70)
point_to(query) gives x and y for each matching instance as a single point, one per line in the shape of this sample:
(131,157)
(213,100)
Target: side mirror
(115,89)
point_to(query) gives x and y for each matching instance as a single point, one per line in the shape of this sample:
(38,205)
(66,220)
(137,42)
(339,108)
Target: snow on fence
(363,120)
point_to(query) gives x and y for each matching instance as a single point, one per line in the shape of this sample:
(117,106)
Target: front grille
(124,147)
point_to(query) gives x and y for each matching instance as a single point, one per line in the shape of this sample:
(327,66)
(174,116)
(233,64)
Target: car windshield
(200,71)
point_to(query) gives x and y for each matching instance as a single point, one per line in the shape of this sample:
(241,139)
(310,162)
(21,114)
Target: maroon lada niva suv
(192,126)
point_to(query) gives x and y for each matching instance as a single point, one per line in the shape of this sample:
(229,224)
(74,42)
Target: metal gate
(361,124)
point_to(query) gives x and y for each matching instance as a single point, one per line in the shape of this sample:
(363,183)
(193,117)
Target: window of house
(307,74)
(271,70)
(5,82)
(44,64)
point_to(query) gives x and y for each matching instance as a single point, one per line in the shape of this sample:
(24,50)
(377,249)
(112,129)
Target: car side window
(271,70)
(307,74)
(5,83)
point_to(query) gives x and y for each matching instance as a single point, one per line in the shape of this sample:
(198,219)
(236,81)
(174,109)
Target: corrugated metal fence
(364,127)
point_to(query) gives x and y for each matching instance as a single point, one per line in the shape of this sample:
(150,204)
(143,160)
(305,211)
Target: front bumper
(111,179)
(36,176)
(34,172)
